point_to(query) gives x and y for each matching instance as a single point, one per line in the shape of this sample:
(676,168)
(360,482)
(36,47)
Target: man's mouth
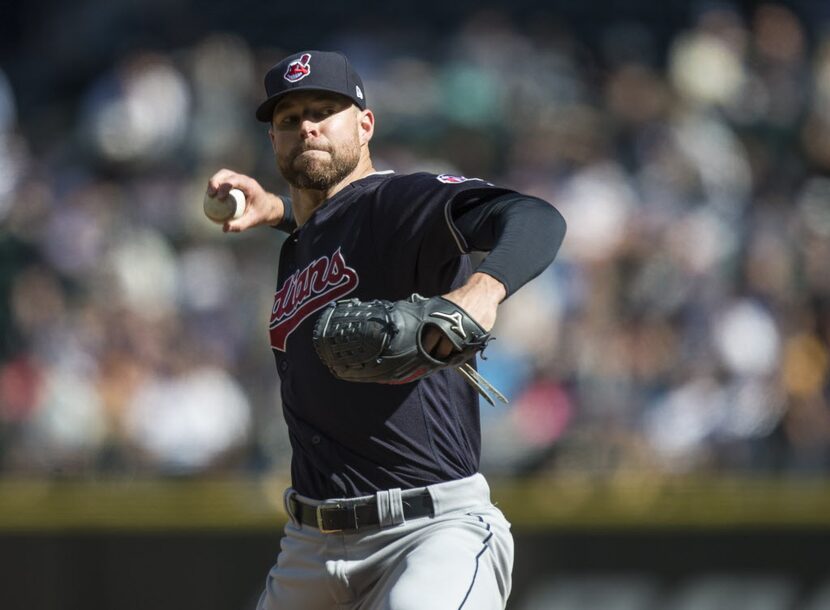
(309,150)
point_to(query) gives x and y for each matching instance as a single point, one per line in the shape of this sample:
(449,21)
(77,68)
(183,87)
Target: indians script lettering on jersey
(308,290)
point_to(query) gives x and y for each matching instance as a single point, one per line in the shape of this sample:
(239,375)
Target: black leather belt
(349,517)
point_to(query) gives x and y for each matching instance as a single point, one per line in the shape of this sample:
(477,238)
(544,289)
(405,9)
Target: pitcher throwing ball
(378,316)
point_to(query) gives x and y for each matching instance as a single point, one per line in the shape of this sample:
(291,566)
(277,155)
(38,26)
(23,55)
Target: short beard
(315,176)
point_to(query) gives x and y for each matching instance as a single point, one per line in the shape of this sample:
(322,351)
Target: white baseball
(222,210)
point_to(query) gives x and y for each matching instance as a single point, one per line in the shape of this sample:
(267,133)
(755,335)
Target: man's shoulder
(433,179)
(424,188)
(396,179)
(379,182)
(430,182)
(393,185)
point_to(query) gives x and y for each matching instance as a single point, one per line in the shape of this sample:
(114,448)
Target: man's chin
(315,181)
(316,171)
(305,164)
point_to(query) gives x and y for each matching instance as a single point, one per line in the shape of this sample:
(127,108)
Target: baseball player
(387,508)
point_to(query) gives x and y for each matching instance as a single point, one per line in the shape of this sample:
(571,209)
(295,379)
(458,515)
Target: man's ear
(366,126)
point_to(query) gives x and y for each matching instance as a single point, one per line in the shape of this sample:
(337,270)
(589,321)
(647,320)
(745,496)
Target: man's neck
(305,201)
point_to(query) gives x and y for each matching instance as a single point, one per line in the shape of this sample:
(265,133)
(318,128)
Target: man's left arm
(522,235)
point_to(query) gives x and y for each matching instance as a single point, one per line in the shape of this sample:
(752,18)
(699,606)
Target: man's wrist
(285,220)
(479,297)
(490,286)
(277,208)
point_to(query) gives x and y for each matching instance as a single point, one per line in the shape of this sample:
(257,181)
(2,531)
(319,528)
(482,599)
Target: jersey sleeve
(418,244)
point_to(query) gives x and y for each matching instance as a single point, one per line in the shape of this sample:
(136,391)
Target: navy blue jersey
(382,237)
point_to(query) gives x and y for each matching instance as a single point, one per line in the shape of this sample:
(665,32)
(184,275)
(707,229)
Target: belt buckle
(320,526)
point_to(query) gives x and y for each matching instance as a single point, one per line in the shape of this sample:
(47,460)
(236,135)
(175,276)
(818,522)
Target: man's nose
(309,129)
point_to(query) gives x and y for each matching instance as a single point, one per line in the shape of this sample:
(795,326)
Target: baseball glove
(380,341)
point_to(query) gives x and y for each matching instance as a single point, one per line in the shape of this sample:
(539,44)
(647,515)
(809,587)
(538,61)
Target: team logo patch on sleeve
(298,70)
(451,179)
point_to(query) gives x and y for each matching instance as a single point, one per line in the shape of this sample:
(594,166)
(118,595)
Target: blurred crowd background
(683,329)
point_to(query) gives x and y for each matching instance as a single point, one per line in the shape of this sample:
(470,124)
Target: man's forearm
(480,297)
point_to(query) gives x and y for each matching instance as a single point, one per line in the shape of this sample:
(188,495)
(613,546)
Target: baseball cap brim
(265,112)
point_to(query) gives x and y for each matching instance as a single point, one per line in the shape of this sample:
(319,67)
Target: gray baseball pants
(459,558)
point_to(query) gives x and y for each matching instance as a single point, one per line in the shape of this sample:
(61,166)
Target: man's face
(316,139)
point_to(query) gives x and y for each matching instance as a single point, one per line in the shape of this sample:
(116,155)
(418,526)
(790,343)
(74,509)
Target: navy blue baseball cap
(311,71)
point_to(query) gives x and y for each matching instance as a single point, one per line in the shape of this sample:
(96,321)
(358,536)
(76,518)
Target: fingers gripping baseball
(261,207)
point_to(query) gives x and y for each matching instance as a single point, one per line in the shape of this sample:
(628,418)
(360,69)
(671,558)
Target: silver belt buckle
(320,509)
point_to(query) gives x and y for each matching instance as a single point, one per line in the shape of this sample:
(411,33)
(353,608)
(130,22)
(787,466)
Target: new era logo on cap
(298,70)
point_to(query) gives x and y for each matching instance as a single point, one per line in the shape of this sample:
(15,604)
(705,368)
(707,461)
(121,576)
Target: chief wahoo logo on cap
(299,69)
